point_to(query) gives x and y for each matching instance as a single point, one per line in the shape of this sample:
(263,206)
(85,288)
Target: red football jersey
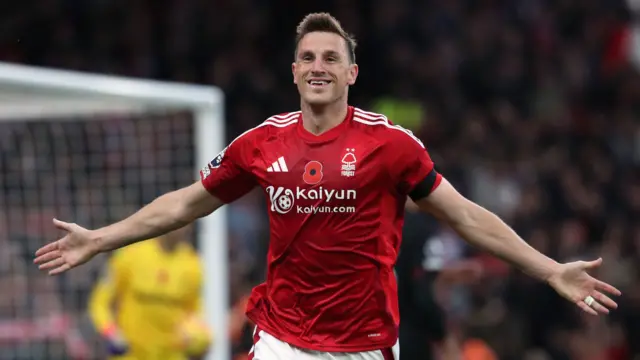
(336,209)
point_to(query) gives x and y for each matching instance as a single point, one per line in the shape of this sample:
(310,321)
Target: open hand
(75,248)
(572,281)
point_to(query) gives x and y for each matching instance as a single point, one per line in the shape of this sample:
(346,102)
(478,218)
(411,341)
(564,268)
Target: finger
(47,248)
(46,257)
(601,285)
(593,264)
(586,308)
(61,224)
(60,269)
(604,299)
(52,264)
(599,308)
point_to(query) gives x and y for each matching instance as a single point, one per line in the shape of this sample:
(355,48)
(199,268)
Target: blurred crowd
(530,107)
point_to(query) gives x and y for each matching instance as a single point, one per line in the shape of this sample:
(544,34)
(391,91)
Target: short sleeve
(411,167)
(226,176)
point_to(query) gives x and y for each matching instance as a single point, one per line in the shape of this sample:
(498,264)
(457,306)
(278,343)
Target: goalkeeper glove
(195,337)
(115,342)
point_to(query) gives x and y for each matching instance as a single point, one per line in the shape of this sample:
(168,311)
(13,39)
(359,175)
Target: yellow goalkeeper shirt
(147,292)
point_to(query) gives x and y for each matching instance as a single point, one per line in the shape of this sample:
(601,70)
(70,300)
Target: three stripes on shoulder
(278,166)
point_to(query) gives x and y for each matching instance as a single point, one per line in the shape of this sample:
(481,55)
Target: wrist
(109,331)
(98,240)
(551,270)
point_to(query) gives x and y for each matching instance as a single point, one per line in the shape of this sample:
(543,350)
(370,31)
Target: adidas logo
(278,166)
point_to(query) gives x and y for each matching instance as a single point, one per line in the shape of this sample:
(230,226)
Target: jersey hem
(294,341)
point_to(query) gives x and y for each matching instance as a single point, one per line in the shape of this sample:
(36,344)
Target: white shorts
(267,347)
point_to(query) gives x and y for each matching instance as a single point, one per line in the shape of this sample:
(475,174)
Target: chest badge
(162,277)
(349,163)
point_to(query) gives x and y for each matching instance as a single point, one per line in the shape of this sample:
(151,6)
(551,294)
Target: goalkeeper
(147,304)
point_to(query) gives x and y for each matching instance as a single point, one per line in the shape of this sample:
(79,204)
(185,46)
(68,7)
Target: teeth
(318,82)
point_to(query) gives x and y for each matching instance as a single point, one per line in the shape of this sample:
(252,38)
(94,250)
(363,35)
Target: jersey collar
(327,135)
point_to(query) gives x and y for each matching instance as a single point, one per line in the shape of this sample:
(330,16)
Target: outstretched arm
(485,230)
(222,180)
(168,212)
(413,173)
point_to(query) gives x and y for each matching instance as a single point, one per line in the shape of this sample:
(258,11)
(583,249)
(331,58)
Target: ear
(353,74)
(293,72)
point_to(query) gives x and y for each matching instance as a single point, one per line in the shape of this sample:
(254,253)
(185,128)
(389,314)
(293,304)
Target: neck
(318,119)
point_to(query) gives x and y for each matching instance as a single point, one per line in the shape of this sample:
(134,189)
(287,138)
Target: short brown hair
(324,22)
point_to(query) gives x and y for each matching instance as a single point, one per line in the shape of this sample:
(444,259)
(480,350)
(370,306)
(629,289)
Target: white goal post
(31,93)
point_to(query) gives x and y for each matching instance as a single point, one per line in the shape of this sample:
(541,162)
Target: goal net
(92,149)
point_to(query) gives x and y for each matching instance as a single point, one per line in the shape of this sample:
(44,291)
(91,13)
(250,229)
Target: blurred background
(530,107)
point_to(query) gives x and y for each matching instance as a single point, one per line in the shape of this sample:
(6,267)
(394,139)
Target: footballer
(147,305)
(336,178)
